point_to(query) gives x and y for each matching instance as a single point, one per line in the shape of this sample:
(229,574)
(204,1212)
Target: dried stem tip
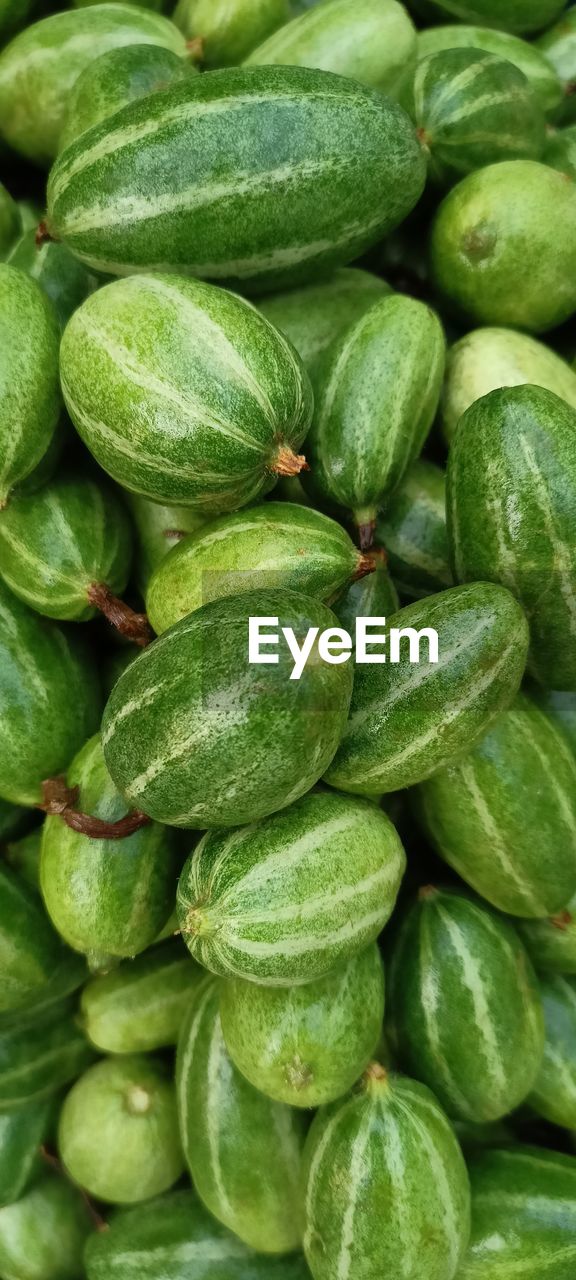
(368,562)
(42,234)
(288,463)
(134,626)
(561,921)
(60,800)
(195,49)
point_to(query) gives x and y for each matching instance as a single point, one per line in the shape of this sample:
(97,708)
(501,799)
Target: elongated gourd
(313,316)
(117,78)
(412,531)
(140,1005)
(374,596)
(30,949)
(30,399)
(62,277)
(22,1134)
(554,1093)
(40,1052)
(527,57)
(551,941)
(44,1233)
(157,529)
(228,29)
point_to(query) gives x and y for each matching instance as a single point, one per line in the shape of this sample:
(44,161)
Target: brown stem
(561,921)
(368,562)
(177,534)
(195,49)
(134,626)
(288,463)
(366,532)
(60,800)
(42,234)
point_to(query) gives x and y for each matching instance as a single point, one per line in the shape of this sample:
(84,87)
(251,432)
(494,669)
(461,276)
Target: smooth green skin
(524,1201)
(109,896)
(510,500)
(157,5)
(243,1151)
(140,1006)
(316,169)
(306,1045)
(30,399)
(117,78)
(387,1191)
(522,17)
(559,48)
(222,741)
(560,151)
(177,1230)
(40,1052)
(376,394)
(288,900)
(276,545)
(229,29)
(312,317)
(49,700)
(472,109)
(551,942)
(487,359)
(504,817)
(412,531)
(59,274)
(496,224)
(57,544)
(409,721)
(526,57)
(30,950)
(42,1236)
(118,1131)
(10,221)
(184,393)
(22,1133)
(464,1006)
(374,596)
(69,974)
(554,1092)
(40,66)
(157,529)
(562,708)
(373,41)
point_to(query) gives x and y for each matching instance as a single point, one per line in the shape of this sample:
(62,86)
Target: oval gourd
(412,531)
(30,949)
(30,398)
(10,221)
(388,1144)
(40,1053)
(407,720)
(183,392)
(522,16)
(554,1093)
(374,596)
(504,817)
(525,56)
(118,1130)
(157,529)
(44,1233)
(313,316)
(117,78)
(140,1005)
(40,66)
(494,225)
(196,736)
(56,270)
(464,1006)
(22,1134)
(287,900)
(105,896)
(551,942)
(510,504)
(243,1150)
(276,545)
(559,48)
(377,391)
(228,29)
(562,708)
(560,150)
(317,169)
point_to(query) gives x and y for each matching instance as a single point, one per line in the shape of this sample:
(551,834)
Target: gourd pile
(287,962)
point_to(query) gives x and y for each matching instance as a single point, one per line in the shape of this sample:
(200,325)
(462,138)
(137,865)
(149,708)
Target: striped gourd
(140,1005)
(287,900)
(176,1237)
(117,78)
(40,66)
(317,168)
(118,1130)
(157,529)
(412,530)
(10,221)
(562,708)
(30,949)
(184,393)
(30,400)
(487,359)
(40,1053)
(312,317)
(49,700)
(373,41)
(521,16)
(22,1134)
(523,1216)
(559,48)
(62,277)
(377,391)
(494,227)
(560,151)
(504,817)
(276,545)
(510,502)
(44,1233)
(535,66)
(464,1005)
(105,896)
(306,1045)
(554,1092)
(408,720)
(59,545)
(197,736)
(243,1151)
(229,29)
(374,596)
(551,941)
(387,1191)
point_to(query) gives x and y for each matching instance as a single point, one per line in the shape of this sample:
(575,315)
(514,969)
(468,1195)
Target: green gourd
(40,1052)
(464,1005)
(140,1005)
(306,1045)
(13,14)
(559,48)
(183,392)
(409,720)
(56,270)
(377,391)
(527,57)
(117,78)
(118,1130)
(551,942)
(289,899)
(374,596)
(494,228)
(23,856)
(22,1134)
(562,708)
(228,29)
(110,896)
(560,151)
(68,975)
(196,736)
(42,1236)
(10,221)
(313,316)
(554,1093)
(30,949)
(412,531)
(316,169)
(388,1144)
(504,817)
(30,400)
(157,529)
(510,499)
(276,545)
(243,1151)
(522,16)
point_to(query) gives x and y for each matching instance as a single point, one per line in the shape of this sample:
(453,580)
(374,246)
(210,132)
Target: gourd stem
(288,463)
(135,626)
(368,562)
(42,234)
(60,800)
(195,49)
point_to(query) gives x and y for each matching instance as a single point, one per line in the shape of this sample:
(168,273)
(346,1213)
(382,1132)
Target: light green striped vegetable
(526,57)
(140,1005)
(229,29)
(30,398)
(44,1233)
(412,531)
(58,273)
(554,1092)
(158,528)
(117,78)
(40,1053)
(551,942)
(312,317)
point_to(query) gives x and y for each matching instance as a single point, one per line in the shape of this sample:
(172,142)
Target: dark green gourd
(117,78)
(157,529)
(30,399)
(30,949)
(412,531)
(554,1093)
(40,1052)
(314,315)
(526,57)
(373,596)
(44,1233)
(522,16)
(227,32)
(22,1134)
(62,277)
(551,941)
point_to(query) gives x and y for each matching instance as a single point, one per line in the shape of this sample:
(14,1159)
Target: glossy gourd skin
(559,48)
(554,1093)
(412,531)
(140,1005)
(117,78)
(314,315)
(30,948)
(228,31)
(525,56)
(44,1233)
(40,1053)
(22,1133)
(62,277)
(30,399)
